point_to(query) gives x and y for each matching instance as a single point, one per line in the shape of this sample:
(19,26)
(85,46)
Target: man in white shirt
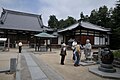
(73,48)
(20,46)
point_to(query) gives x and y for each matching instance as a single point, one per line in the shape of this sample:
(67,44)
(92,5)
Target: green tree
(94,18)
(83,17)
(103,14)
(115,38)
(100,17)
(53,22)
(61,23)
(69,21)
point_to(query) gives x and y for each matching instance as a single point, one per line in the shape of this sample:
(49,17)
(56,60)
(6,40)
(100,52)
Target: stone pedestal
(106,68)
(87,62)
(43,48)
(116,62)
(13,65)
(94,69)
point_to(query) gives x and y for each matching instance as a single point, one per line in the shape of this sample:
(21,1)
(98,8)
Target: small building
(81,31)
(20,26)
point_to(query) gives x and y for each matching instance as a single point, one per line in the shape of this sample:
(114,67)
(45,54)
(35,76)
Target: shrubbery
(116,53)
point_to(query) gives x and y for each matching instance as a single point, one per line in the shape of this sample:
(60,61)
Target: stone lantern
(106,61)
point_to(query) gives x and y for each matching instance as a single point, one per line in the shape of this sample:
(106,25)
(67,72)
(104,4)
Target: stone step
(108,66)
(107,70)
(116,65)
(116,62)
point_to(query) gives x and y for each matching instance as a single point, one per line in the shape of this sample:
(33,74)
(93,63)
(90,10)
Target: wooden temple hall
(81,31)
(19,26)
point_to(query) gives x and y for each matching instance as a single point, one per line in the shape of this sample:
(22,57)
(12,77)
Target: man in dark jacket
(63,53)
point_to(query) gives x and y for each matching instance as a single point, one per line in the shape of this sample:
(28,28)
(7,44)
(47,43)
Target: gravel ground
(5,64)
(67,71)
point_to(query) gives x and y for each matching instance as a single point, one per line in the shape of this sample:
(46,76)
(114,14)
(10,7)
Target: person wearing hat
(63,53)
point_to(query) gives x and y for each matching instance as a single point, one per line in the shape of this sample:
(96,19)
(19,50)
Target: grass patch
(116,53)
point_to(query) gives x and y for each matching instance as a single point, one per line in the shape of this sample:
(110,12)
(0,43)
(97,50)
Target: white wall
(99,40)
(60,38)
(103,41)
(96,40)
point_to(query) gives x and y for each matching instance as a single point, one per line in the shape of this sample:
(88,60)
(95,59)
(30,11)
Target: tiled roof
(21,21)
(85,25)
(92,26)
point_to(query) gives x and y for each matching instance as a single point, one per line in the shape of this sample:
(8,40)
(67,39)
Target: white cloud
(64,8)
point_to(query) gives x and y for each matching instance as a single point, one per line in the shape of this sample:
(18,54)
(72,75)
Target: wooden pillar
(80,36)
(8,44)
(39,44)
(87,34)
(35,43)
(94,38)
(50,45)
(99,38)
(4,45)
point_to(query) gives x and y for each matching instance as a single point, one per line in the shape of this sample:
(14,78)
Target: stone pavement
(44,66)
(32,69)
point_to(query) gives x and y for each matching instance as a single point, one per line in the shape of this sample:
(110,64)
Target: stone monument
(88,54)
(106,61)
(105,69)
(87,50)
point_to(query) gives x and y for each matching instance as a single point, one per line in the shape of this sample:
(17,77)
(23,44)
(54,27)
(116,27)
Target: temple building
(22,26)
(81,31)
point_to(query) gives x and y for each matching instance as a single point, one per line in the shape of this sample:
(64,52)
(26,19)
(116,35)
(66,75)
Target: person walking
(20,46)
(63,53)
(77,55)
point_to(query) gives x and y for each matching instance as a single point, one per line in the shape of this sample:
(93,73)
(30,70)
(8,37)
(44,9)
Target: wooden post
(35,43)
(8,44)
(4,46)
(80,36)
(50,45)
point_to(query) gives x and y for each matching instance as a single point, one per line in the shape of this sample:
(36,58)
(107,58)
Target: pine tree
(115,38)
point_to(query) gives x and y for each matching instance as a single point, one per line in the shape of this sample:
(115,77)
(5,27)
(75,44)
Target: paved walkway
(32,69)
(35,71)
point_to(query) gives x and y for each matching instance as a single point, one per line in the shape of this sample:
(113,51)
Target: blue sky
(61,8)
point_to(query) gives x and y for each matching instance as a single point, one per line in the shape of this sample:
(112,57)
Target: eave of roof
(86,25)
(93,27)
(69,28)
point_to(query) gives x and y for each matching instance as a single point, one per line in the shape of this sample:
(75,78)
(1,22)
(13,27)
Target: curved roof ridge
(20,12)
(93,26)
